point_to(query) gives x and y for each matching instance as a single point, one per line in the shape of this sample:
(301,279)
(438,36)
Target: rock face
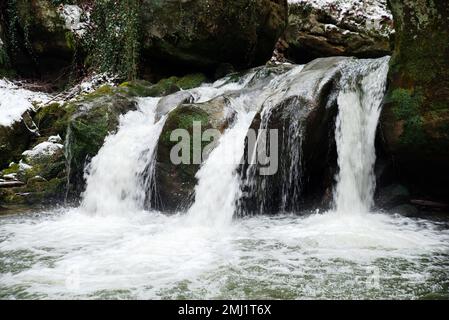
(56,38)
(415,119)
(322,28)
(205,34)
(38,41)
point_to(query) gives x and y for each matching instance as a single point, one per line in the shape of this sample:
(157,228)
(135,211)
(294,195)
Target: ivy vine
(114,43)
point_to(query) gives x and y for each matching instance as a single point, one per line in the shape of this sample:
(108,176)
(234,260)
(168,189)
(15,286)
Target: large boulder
(175,183)
(337,28)
(205,34)
(415,118)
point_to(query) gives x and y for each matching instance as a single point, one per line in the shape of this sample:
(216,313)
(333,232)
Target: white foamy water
(148,255)
(114,183)
(218,181)
(359,104)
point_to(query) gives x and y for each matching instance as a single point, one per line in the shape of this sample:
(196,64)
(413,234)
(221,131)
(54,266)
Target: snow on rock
(362,13)
(14,101)
(92,83)
(76,20)
(23,166)
(44,149)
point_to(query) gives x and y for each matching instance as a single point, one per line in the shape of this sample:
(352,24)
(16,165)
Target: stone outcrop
(320,28)
(415,119)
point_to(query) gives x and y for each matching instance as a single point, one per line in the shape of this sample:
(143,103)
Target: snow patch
(14,101)
(73,17)
(45,149)
(23,166)
(95,81)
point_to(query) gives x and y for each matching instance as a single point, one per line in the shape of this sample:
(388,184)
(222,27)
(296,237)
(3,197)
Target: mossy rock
(136,88)
(52,120)
(92,118)
(415,116)
(44,182)
(38,191)
(176,183)
(166,86)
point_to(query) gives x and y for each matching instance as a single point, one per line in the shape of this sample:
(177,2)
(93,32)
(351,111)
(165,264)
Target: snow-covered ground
(14,101)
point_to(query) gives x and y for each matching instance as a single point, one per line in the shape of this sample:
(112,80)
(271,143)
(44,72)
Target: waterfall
(114,177)
(363,87)
(120,178)
(116,180)
(219,183)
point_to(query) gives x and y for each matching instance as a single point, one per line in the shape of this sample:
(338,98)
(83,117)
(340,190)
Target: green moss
(183,118)
(104,90)
(70,40)
(414,134)
(136,88)
(170,85)
(52,120)
(13,168)
(190,81)
(87,136)
(112,51)
(36,192)
(406,103)
(406,107)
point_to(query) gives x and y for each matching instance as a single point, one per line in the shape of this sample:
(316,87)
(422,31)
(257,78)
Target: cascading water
(363,86)
(219,173)
(114,177)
